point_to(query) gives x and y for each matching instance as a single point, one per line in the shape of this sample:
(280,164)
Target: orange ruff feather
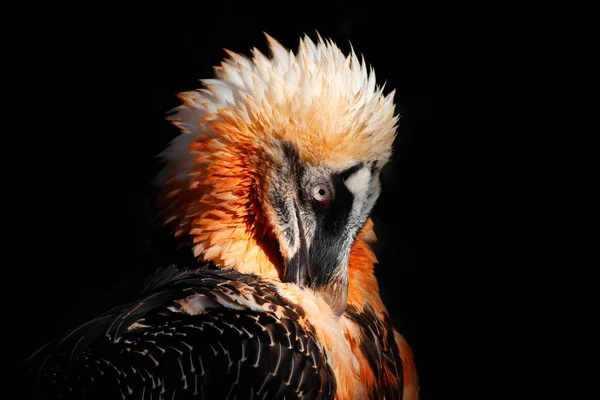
(329,108)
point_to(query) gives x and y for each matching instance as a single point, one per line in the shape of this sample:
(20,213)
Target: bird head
(277,165)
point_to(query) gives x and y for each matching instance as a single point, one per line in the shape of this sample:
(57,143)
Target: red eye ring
(321,193)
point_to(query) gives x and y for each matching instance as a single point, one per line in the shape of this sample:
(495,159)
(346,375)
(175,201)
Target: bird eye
(321,193)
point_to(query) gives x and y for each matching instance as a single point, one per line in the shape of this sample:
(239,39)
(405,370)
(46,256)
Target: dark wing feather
(379,347)
(149,349)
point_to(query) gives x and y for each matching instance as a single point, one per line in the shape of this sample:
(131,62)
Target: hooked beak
(331,283)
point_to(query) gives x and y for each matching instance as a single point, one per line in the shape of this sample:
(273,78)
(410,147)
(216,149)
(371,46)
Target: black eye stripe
(345,174)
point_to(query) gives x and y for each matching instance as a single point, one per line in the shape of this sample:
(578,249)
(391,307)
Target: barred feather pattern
(202,334)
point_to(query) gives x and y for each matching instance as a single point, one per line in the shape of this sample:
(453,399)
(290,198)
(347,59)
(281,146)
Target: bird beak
(331,281)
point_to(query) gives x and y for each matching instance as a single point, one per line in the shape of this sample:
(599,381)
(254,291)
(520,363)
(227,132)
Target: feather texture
(192,334)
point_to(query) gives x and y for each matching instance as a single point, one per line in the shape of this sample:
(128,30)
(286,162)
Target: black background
(98,84)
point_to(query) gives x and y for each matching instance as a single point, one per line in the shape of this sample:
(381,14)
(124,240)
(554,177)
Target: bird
(270,183)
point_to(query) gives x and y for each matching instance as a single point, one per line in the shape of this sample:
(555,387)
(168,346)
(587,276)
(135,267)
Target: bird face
(277,165)
(316,213)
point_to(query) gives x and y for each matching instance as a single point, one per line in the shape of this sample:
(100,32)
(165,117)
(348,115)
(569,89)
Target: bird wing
(378,345)
(207,333)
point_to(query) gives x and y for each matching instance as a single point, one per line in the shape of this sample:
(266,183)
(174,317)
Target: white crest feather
(319,88)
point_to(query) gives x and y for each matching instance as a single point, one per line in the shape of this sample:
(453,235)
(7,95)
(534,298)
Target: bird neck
(217,208)
(234,234)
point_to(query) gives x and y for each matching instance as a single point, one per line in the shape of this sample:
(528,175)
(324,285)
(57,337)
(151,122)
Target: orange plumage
(271,183)
(223,168)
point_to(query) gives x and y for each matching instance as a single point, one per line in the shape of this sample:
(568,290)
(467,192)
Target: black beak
(298,268)
(318,275)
